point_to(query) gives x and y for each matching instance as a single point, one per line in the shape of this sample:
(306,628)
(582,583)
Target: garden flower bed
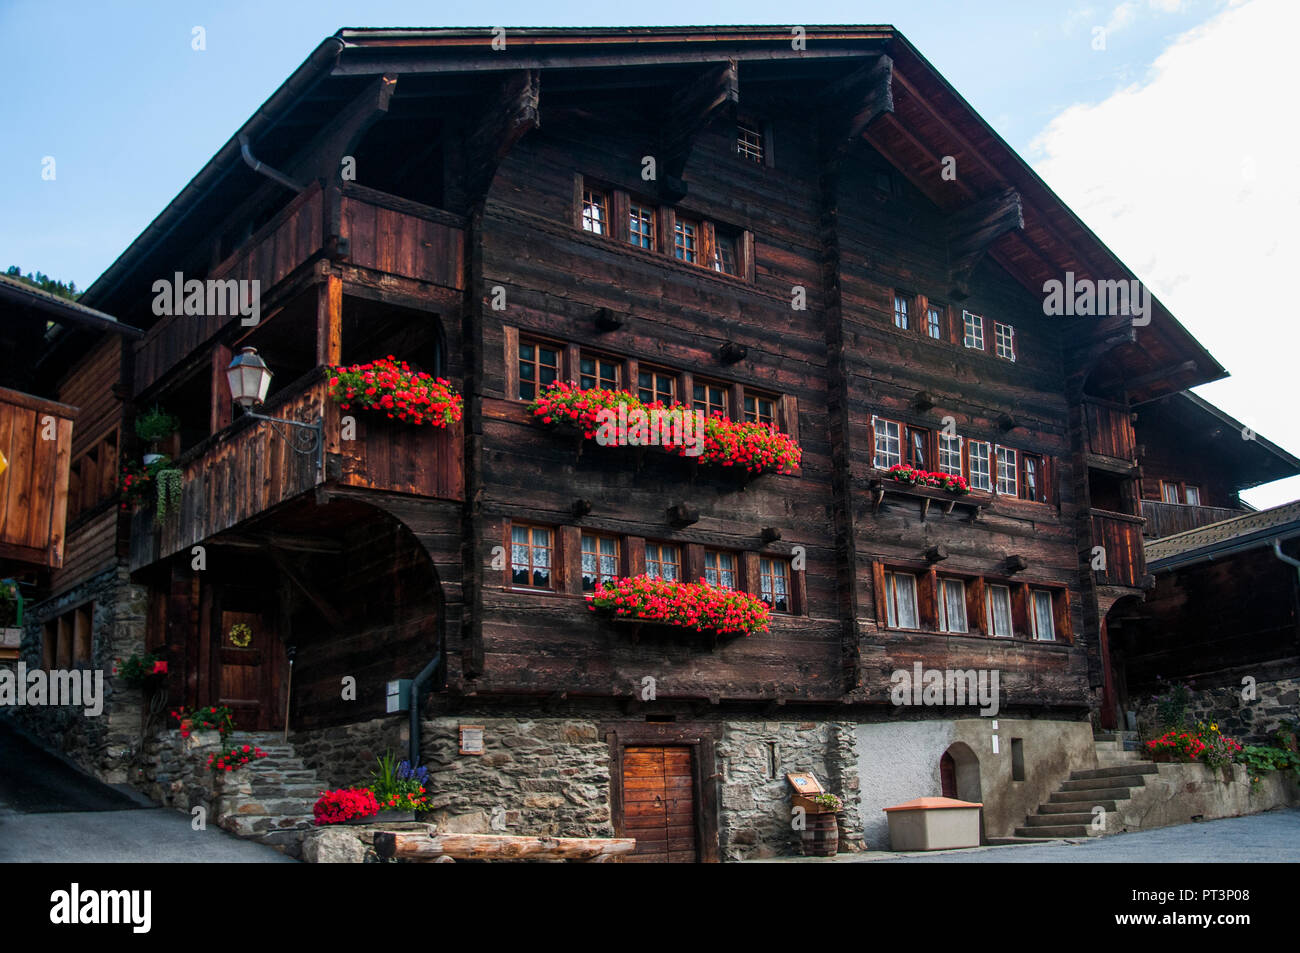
(620,418)
(698,606)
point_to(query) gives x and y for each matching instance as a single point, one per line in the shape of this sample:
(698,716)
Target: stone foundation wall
(1251,722)
(346,755)
(106,744)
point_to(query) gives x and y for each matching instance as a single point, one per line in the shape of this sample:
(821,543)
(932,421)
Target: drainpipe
(257,165)
(1277,551)
(426,675)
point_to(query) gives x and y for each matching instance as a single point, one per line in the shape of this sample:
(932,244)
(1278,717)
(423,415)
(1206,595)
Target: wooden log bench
(445,848)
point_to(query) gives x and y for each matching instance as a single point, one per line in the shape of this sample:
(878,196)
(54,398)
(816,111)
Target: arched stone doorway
(959,776)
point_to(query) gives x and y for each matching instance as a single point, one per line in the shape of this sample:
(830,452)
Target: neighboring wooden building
(792,254)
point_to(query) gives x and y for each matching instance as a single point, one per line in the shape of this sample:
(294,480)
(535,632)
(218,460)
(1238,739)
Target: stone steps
(271,799)
(1070,811)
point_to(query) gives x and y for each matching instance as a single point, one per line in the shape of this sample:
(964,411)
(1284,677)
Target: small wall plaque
(471,739)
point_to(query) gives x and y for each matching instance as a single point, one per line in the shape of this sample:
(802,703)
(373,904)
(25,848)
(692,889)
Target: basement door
(659,804)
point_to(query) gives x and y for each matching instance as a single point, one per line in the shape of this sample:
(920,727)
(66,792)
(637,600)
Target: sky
(1162,123)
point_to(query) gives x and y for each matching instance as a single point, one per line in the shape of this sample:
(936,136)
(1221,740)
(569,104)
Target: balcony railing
(250,467)
(1120,535)
(1166,519)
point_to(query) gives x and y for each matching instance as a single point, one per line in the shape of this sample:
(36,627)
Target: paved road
(1258,838)
(50,811)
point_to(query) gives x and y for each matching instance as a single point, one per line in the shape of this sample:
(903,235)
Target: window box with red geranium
(390,387)
(620,418)
(695,606)
(913,476)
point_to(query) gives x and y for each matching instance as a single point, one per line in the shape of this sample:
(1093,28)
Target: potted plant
(398,788)
(210,718)
(138,671)
(153,427)
(700,606)
(345,806)
(167,483)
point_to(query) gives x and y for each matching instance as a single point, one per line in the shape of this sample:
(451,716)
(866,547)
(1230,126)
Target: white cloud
(1192,178)
(1167,6)
(1121,16)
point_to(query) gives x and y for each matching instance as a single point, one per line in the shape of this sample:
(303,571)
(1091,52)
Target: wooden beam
(850,104)
(322,158)
(328,613)
(712,95)
(429,848)
(974,229)
(510,115)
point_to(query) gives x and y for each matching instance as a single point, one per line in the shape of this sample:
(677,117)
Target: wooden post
(329,321)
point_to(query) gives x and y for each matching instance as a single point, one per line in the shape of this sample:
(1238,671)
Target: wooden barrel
(821,835)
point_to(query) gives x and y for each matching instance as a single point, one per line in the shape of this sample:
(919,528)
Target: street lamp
(249,380)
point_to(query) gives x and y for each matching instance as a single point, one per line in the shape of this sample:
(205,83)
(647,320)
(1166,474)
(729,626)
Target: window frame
(1011,466)
(972,326)
(940,439)
(634,235)
(786,575)
(708,406)
(659,548)
(554,569)
(898,438)
(1039,465)
(605,206)
(1034,614)
(911,446)
(988,457)
(1188,489)
(718,555)
(756,396)
(890,595)
(934,321)
(990,614)
(902,311)
(583,552)
(599,357)
(655,371)
(684,245)
(537,344)
(758,155)
(1010,343)
(941,605)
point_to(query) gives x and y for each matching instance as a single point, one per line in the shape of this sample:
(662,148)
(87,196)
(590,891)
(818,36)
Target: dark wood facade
(462,240)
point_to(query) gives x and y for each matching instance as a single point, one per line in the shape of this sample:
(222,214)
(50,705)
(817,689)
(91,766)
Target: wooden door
(659,804)
(247,674)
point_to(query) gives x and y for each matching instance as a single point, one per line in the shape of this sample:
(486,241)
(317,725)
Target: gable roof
(929,120)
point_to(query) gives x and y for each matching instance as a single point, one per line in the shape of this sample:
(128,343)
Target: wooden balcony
(1110,429)
(1121,536)
(251,467)
(36,441)
(381,233)
(1166,519)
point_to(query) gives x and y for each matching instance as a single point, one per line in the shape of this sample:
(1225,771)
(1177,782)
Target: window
(1193,495)
(1007,481)
(530,557)
(889,447)
(67,641)
(952,606)
(999,611)
(774,583)
(726,255)
(599,560)
(1044,621)
(980,477)
(641,225)
(1169,492)
(972,330)
(1033,484)
(1004,340)
(950,454)
(1017,759)
(686,239)
(595,212)
(918,447)
(656,385)
(934,322)
(539,367)
(900,601)
(720,568)
(596,371)
(760,410)
(749,142)
(710,398)
(900,312)
(663,561)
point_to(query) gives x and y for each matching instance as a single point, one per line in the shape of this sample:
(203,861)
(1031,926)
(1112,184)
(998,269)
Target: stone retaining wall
(1249,720)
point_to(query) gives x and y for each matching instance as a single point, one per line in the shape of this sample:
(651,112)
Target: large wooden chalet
(821,236)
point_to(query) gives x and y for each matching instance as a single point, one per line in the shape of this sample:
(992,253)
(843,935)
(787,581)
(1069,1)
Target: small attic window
(749,142)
